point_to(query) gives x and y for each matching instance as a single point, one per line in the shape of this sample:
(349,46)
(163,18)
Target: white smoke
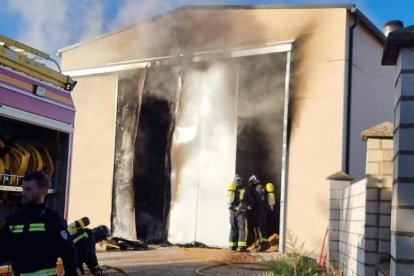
(50,25)
(132,11)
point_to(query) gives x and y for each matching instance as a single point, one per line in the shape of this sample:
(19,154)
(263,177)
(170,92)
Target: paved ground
(184,261)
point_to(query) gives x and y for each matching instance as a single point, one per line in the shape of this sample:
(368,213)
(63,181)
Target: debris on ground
(116,243)
(273,244)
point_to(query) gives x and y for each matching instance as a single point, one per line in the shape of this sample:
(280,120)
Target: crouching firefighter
(239,201)
(262,199)
(84,240)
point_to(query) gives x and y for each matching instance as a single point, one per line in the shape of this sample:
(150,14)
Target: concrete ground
(182,261)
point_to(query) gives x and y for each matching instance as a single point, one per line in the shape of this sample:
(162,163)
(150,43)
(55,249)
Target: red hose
(323,255)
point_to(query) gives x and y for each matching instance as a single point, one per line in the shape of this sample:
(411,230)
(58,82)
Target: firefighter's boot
(242,249)
(262,247)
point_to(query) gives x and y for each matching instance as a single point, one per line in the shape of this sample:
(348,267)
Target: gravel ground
(183,261)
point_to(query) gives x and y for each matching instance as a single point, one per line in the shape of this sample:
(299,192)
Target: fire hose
(242,265)
(259,267)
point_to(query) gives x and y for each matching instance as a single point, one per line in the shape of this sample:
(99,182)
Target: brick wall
(352,229)
(339,181)
(380,169)
(360,212)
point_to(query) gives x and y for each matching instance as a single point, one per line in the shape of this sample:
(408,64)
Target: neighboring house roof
(350,7)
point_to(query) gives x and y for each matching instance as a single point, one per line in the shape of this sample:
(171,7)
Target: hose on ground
(253,266)
(238,265)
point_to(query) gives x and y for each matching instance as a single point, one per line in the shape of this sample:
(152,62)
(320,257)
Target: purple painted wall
(35,106)
(16,91)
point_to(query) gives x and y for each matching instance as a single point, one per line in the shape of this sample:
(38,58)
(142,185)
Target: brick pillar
(402,226)
(399,51)
(379,159)
(379,170)
(338,181)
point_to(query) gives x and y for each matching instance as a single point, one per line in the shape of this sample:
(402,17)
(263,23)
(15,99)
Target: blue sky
(53,24)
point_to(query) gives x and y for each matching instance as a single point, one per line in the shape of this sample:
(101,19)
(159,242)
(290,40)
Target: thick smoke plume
(53,24)
(50,25)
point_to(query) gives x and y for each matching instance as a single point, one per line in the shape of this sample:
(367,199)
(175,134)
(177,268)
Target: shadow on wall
(299,82)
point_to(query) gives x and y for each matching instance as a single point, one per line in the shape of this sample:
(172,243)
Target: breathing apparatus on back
(271,198)
(236,185)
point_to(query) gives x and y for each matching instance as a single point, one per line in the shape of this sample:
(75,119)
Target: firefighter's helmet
(101,233)
(238,180)
(253,180)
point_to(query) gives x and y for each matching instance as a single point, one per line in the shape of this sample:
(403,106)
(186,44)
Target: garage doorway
(261,123)
(152,165)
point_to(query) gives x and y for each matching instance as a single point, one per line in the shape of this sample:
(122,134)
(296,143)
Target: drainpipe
(349,93)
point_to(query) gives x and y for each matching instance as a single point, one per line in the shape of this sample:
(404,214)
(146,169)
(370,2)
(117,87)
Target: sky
(50,25)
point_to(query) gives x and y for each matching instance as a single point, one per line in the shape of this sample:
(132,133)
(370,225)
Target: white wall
(373,95)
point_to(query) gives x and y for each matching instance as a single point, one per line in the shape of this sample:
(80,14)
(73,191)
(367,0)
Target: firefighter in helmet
(84,240)
(239,203)
(262,198)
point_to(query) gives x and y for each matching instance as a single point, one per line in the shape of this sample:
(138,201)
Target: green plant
(294,265)
(295,262)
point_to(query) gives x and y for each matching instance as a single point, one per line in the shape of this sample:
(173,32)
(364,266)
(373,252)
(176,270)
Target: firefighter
(239,201)
(35,236)
(85,240)
(262,198)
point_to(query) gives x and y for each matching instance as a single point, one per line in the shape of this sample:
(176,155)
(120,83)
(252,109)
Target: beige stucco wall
(318,84)
(316,137)
(93,149)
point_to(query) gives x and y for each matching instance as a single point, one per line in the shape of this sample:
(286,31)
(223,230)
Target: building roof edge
(350,7)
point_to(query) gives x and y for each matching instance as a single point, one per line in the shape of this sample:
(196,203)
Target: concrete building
(280,91)
(399,52)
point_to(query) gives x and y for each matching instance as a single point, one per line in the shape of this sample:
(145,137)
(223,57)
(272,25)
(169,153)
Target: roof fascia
(350,7)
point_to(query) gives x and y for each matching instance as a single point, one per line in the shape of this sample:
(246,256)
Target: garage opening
(260,123)
(152,166)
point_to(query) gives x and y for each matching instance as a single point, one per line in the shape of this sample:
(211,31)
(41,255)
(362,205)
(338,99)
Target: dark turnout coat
(84,240)
(33,238)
